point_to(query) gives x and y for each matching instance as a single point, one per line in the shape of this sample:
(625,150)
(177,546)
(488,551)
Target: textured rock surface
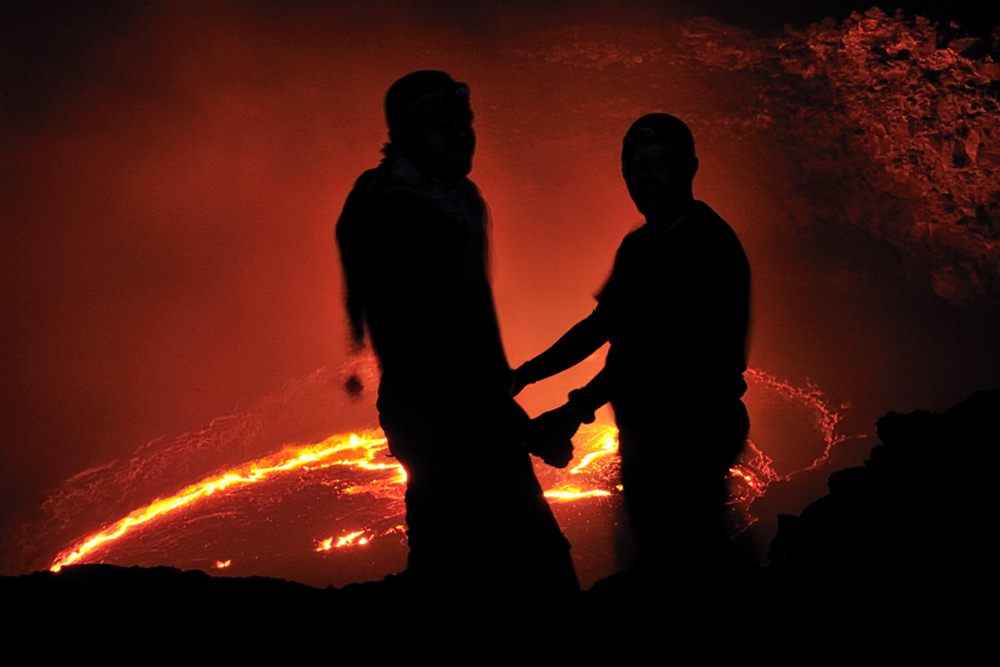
(902,112)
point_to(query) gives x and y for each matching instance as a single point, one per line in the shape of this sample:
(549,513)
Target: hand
(519,379)
(584,414)
(550,436)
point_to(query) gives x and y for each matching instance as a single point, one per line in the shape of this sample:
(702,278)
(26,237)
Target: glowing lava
(352,450)
(594,476)
(363,452)
(755,470)
(810,397)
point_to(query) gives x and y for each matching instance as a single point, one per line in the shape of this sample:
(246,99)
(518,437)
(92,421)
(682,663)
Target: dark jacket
(414,252)
(676,308)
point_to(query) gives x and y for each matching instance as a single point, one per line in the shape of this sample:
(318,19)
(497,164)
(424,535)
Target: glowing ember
(351,539)
(348,540)
(221,564)
(575,494)
(605,441)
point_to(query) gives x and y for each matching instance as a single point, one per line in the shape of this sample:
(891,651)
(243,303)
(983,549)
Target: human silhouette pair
(414,247)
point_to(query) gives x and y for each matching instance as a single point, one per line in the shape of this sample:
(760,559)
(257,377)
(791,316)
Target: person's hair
(408,92)
(656,127)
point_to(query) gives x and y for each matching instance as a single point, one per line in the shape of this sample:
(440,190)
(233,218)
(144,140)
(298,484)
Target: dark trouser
(674,462)
(477,518)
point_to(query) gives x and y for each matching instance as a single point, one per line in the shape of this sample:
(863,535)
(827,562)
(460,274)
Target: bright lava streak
(304,458)
(575,494)
(349,539)
(606,441)
(338,450)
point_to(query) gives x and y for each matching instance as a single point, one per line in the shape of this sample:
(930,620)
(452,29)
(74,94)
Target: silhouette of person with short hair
(676,312)
(413,244)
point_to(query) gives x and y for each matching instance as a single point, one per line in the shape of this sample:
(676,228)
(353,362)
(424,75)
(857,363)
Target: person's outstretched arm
(577,344)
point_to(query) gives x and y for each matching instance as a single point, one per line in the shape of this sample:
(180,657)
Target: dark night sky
(171,173)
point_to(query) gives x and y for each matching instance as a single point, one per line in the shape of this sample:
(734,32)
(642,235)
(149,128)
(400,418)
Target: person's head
(658,163)
(430,123)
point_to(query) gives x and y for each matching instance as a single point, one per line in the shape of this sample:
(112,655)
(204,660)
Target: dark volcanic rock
(907,537)
(900,111)
(110,611)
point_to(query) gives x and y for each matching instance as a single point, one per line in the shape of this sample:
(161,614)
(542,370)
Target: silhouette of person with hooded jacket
(676,312)
(413,244)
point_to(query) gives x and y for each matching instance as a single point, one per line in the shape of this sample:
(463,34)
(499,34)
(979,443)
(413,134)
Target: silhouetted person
(676,311)
(413,243)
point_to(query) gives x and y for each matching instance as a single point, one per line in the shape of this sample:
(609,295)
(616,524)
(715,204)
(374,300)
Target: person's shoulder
(367,179)
(705,213)
(363,188)
(634,242)
(637,237)
(720,235)
(709,221)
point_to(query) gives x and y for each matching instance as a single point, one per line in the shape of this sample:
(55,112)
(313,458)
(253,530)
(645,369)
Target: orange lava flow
(750,477)
(351,539)
(352,450)
(573,493)
(812,398)
(602,442)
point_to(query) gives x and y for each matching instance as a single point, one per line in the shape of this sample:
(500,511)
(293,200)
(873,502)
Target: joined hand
(550,435)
